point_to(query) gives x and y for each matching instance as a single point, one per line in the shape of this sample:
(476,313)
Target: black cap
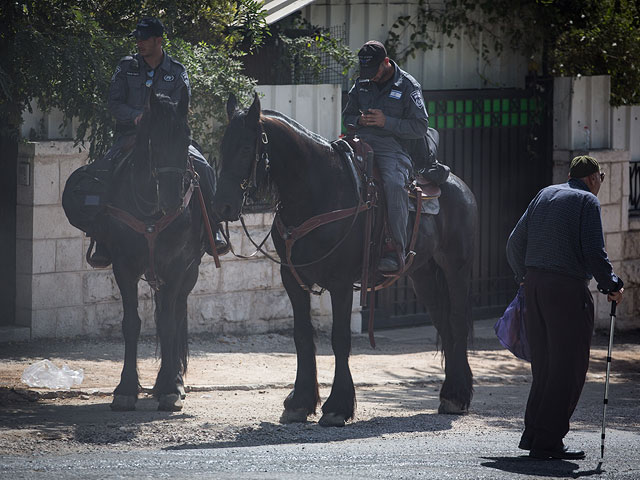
(148,27)
(371,56)
(583,166)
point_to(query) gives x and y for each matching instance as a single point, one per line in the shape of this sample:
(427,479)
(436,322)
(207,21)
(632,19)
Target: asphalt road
(233,432)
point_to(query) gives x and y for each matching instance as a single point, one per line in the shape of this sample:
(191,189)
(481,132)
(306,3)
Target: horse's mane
(301,129)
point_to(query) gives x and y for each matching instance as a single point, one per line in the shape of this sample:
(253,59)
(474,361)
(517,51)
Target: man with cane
(556,247)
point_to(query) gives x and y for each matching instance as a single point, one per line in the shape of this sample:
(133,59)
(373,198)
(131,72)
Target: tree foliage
(62,53)
(560,37)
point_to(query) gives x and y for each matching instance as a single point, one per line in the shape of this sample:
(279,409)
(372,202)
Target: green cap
(583,166)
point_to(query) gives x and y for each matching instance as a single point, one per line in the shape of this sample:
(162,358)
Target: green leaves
(63,53)
(572,37)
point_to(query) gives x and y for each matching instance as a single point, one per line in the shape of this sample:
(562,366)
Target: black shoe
(525,444)
(222,248)
(389,264)
(101,257)
(561,452)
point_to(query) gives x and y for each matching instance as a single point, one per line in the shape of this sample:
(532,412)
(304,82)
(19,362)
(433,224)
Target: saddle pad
(430,206)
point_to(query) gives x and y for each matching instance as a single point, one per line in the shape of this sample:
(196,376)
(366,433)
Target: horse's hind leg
(340,405)
(304,397)
(445,292)
(126,393)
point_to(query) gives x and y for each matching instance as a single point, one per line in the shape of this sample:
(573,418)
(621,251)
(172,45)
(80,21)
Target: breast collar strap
(151,230)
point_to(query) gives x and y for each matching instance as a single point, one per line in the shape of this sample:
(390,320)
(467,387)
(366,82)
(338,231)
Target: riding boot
(222,247)
(392,261)
(101,257)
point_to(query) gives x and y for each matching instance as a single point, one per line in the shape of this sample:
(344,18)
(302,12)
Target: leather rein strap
(152,230)
(292,234)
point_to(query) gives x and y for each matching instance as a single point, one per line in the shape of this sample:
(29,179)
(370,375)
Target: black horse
(311,178)
(154,227)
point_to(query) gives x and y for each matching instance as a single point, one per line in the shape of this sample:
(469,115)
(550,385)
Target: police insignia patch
(417,98)
(168,78)
(115,74)
(185,79)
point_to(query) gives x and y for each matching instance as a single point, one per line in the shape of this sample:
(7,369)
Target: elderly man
(555,249)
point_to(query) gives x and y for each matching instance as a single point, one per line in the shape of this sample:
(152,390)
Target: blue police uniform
(406,119)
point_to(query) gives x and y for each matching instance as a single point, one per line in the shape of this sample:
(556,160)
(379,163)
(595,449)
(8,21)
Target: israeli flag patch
(397,94)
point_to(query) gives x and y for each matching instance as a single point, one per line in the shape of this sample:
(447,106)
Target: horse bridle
(291,234)
(261,154)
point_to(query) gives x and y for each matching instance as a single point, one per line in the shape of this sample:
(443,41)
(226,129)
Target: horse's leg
(126,393)
(171,316)
(340,405)
(304,398)
(445,292)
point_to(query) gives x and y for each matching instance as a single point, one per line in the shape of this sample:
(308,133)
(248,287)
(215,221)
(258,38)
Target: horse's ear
(253,115)
(232,105)
(183,103)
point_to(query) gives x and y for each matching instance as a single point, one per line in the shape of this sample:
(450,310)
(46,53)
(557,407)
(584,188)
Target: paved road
(233,432)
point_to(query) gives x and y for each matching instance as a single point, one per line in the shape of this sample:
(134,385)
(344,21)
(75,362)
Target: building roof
(278,9)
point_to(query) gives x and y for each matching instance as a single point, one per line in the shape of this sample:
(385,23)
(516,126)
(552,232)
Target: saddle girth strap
(151,230)
(292,234)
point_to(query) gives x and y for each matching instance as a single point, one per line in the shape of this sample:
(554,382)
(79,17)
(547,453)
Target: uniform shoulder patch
(115,74)
(185,79)
(416,96)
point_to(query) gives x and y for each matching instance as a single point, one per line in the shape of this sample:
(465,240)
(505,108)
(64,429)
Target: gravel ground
(236,386)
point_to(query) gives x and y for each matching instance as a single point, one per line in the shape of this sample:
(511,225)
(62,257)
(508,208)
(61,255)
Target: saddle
(420,190)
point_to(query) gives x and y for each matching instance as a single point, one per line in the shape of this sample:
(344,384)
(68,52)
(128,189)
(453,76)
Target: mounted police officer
(131,85)
(387,109)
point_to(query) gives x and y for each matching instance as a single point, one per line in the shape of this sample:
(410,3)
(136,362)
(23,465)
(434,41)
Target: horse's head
(165,126)
(240,156)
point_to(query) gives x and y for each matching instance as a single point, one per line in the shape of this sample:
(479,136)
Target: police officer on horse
(131,85)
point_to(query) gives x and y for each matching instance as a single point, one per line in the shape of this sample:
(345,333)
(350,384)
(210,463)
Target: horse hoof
(448,407)
(181,391)
(294,416)
(169,402)
(123,403)
(331,420)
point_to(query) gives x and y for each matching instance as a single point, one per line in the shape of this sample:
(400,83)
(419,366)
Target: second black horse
(264,149)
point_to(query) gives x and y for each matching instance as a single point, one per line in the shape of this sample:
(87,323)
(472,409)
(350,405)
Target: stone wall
(59,295)
(585,123)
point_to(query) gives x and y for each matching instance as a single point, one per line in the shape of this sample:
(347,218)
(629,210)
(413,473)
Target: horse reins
(291,234)
(152,230)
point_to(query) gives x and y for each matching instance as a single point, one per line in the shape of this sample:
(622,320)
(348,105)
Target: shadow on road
(306,433)
(541,468)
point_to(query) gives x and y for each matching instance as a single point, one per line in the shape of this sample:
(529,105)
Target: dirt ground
(236,386)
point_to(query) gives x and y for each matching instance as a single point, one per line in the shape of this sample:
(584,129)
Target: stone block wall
(619,240)
(59,295)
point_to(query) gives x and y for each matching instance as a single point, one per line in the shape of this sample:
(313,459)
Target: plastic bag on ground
(45,374)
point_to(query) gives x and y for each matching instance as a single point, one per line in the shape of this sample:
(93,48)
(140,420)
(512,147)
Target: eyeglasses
(602,176)
(149,81)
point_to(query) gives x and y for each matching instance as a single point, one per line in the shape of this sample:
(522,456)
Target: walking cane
(606,382)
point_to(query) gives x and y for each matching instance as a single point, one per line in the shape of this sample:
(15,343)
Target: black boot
(101,257)
(222,248)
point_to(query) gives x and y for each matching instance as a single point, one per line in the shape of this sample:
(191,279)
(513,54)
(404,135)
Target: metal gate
(500,143)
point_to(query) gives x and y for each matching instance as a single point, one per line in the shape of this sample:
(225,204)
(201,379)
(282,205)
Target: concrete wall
(585,123)
(456,67)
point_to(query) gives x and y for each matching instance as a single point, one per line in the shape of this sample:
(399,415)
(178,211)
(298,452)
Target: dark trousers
(559,320)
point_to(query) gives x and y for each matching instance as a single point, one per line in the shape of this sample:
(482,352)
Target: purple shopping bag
(510,328)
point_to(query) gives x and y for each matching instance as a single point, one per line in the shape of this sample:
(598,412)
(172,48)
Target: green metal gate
(500,143)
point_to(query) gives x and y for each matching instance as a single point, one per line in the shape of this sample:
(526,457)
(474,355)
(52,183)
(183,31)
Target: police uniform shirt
(128,92)
(400,99)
